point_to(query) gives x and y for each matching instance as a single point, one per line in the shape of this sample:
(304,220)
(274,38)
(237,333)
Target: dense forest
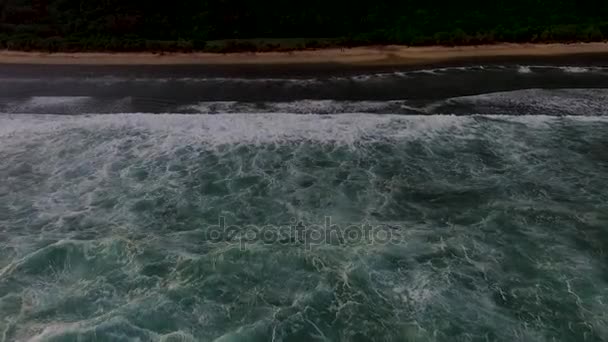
(229,25)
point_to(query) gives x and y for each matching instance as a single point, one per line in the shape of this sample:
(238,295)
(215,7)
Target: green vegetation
(222,25)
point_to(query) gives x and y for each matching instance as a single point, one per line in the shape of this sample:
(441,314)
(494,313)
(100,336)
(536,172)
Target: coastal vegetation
(237,25)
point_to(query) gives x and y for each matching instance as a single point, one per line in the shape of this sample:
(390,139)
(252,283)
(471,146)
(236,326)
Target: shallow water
(268,223)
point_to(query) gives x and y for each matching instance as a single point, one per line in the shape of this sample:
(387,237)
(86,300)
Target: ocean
(447,204)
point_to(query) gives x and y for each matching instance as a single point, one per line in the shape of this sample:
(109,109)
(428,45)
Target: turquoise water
(109,226)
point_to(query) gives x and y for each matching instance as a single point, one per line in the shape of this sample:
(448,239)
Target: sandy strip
(383,55)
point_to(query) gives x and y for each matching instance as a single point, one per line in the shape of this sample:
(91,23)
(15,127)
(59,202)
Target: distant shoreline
(371,56)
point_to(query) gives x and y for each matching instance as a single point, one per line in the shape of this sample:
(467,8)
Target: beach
(360,194)
(391,55)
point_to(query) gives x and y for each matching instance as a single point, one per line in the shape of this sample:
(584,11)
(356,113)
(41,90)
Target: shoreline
(370,56)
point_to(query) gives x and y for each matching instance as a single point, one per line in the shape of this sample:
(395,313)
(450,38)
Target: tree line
(234,25)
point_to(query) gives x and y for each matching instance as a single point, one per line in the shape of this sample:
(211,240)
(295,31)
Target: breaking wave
(107,219)
(519,102)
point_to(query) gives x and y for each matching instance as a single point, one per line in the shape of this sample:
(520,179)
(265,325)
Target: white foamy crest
(538,101)
(576,70)
(37,103)
(55,100)
(241,128)
(314,106)
(567,69)
(524,69)
(301,107)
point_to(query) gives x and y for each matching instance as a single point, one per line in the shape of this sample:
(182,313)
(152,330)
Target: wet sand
(170,89)
(361,56)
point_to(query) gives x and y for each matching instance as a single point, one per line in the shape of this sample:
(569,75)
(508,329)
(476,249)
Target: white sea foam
(545,121)
(51,331)
(219,129)
(411,282)
(524,69)
(41,101)
(575,70)
(300,107)
(38,103)
(537,101)
(427,71)
(86,329)
(364,77)
(242,128)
